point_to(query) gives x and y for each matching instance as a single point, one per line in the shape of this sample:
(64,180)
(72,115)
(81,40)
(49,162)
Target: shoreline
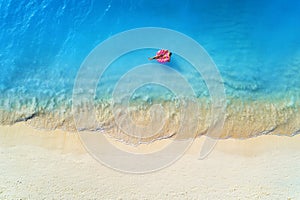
(70,142)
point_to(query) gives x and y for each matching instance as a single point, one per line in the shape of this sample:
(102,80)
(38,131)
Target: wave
(244,119)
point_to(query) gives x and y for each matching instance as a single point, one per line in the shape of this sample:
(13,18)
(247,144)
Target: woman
(162,56)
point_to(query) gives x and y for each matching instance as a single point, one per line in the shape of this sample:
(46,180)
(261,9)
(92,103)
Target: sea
(252,45)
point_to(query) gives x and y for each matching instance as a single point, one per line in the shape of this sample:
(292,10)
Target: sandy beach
(39,164)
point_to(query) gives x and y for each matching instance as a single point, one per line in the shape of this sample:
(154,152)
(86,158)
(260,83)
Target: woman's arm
(156,57)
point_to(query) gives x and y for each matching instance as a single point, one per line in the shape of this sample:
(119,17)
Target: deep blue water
(255,44)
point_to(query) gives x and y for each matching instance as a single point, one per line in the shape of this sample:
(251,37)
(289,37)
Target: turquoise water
(254,44)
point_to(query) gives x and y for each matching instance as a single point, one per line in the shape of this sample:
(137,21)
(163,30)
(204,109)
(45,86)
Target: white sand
(53,165)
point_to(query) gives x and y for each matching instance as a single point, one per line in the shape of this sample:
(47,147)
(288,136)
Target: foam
(244,119)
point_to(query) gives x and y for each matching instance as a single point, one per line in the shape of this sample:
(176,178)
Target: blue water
(255,44)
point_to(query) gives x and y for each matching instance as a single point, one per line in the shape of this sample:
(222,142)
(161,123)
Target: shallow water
(254,44)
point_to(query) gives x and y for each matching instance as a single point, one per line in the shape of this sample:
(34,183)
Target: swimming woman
(162,56)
